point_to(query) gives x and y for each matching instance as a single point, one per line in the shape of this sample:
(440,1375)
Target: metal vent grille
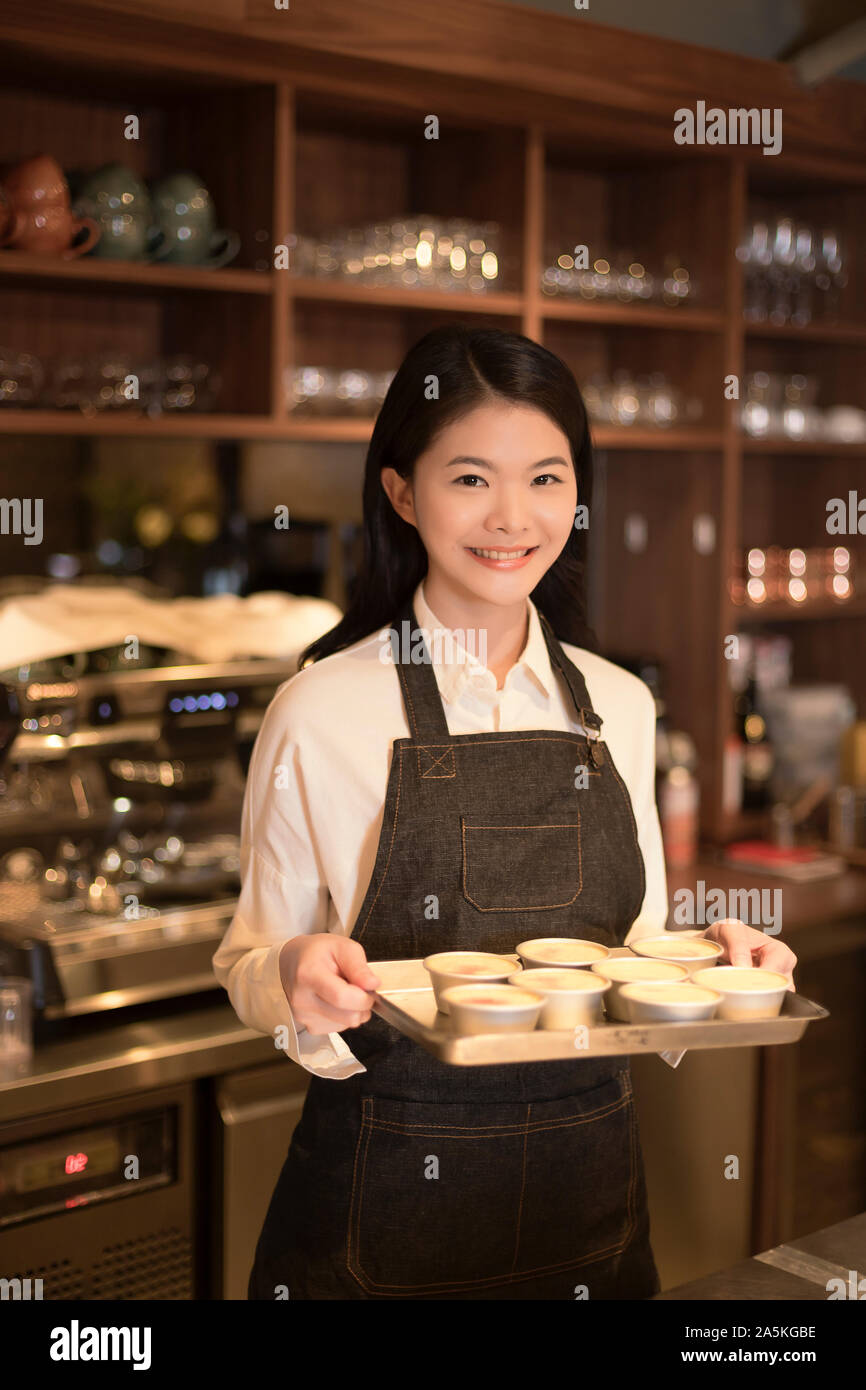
(60,1279)
(154,1266)
(157,1266)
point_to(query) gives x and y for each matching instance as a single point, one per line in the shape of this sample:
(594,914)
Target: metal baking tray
(405,999)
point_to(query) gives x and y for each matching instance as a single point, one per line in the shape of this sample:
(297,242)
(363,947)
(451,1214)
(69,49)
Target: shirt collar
(455,667)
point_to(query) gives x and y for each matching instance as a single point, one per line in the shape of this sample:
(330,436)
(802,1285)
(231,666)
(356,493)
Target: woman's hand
(327,982)
(746,946)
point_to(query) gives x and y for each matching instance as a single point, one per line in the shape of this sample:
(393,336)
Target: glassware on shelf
(797,576)
(329,391)
(21,378)
(794,272)
(647,401)
(776,406)
(617,275)
(413,252)
(106,382)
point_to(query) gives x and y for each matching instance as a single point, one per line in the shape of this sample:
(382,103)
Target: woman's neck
(503,631)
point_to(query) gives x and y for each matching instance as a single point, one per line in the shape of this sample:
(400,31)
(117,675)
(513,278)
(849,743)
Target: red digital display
(76,1163)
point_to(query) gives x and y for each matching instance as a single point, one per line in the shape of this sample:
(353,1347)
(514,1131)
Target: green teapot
(185,214)
(120,204)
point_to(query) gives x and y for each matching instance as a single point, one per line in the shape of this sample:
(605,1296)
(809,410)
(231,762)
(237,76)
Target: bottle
(756,746)
(679,801)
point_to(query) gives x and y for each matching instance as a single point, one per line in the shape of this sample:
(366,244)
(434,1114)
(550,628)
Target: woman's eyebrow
(485,463)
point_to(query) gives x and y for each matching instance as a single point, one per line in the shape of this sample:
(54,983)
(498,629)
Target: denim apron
(422,1180)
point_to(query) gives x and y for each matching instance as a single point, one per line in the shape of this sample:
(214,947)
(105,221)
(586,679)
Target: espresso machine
(120,801)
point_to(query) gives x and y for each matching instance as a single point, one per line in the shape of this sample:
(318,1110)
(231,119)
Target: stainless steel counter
(135,1056)
(799,1270)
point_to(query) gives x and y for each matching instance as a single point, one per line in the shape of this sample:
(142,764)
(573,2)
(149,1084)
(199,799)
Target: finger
(339,994)
(321,1017)
(354,965)
(737,948)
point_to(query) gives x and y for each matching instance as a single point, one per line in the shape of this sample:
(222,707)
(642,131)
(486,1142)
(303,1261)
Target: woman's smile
(501,558)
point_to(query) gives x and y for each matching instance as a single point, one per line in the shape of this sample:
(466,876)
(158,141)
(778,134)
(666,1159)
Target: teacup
(42,221)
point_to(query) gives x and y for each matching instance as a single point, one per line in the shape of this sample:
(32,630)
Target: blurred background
(212,260)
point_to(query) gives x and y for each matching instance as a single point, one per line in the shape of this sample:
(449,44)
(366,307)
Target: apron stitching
(390,847)
(633,825)
(495,1280)
(492,1280)
(366,1125)
(504,1131)
(522,1188)
(436,762)
(537,907)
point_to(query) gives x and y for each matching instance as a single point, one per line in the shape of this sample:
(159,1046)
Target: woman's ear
(400,493)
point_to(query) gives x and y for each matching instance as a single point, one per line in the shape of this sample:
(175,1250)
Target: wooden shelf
(808,447)
(810,611)
(326,429)
(133,274)
(609,437)
(634,315)
(289,128)
(809,333)
(338,291)
(186,424)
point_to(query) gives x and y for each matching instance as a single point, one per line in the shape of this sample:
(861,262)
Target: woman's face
(499,479)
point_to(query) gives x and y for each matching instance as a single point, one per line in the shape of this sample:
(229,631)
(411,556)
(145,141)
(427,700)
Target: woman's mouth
(501,558)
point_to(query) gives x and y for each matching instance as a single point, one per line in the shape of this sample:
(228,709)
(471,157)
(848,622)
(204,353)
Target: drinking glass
(16,1027)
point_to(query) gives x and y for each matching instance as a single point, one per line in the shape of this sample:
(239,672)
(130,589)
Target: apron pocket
(452,1197)
(580,1195)
(520,868)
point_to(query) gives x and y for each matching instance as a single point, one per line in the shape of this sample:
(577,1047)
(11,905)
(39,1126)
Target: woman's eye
(471,477)
(548,475)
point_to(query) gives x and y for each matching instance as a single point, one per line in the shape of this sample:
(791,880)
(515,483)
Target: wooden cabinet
(560,131)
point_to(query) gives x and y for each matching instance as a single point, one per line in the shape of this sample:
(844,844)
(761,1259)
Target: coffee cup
(42,220)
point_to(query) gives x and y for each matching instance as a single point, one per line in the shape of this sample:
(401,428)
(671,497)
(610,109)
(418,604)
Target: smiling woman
(483,838)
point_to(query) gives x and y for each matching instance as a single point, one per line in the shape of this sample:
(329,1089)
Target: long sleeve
(283,894)
(653,913)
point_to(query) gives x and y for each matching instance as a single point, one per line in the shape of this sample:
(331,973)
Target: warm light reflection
(757,591)
(796,590)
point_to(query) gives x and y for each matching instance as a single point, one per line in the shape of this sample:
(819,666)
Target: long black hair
(473,367)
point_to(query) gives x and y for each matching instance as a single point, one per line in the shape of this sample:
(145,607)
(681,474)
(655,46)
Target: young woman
(398,806)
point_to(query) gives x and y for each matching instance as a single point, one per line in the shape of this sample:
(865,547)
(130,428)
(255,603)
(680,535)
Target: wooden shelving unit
(298,128)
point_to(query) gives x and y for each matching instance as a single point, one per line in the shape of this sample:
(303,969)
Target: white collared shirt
(315,799)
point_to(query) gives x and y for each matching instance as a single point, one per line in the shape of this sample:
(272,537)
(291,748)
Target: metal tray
(405,999)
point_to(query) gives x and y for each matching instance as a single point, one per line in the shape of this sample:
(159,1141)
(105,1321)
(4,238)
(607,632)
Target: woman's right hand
(327,982)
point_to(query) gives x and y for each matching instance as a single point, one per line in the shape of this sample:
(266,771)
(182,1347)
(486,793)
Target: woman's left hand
(746,947)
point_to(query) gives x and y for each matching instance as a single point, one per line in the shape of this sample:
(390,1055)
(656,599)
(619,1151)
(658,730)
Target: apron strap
(420,690)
